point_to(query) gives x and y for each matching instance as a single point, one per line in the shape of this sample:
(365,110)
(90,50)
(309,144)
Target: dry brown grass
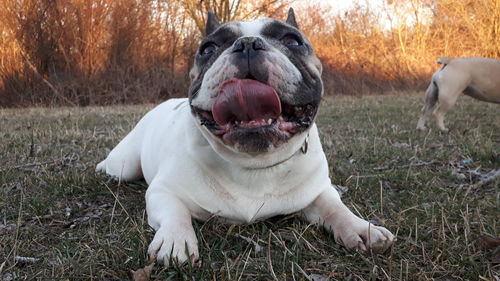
(79,225)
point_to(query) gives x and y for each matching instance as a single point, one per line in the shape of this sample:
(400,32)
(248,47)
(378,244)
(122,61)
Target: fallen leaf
(456,173)
(401,145)
(4,228)
(388,186)
(9,276)
(68,211)
(467,161)
(142,274)
(488,242)
(318,277)
(340,189)
(257,247)
(26,260)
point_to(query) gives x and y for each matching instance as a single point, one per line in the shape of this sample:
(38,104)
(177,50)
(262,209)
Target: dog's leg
(124,161)
(447,99)
(171,219)
(348,229)
(431,97)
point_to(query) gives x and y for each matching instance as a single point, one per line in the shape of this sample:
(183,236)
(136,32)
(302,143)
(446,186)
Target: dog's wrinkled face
(255,85)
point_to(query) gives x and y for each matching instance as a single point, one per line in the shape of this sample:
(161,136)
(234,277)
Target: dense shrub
(82,52)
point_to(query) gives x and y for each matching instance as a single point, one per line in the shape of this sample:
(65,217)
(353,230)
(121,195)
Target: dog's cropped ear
(212,23)
(291,18)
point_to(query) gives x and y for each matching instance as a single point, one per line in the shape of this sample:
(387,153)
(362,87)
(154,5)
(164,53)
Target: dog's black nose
(248,44)
(248,55)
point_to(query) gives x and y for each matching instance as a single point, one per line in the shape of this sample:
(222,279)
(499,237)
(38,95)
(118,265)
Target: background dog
(475,77)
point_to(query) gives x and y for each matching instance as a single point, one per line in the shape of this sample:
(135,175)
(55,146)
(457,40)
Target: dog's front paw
(174,244)
(361,235)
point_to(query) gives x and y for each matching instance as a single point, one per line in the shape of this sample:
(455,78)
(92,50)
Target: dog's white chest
(257,197)
(178,155)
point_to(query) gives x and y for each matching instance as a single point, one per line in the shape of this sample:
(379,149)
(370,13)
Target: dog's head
(255,89)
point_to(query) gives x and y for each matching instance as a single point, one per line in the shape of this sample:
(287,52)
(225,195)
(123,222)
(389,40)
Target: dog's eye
(208,49)
(291,40)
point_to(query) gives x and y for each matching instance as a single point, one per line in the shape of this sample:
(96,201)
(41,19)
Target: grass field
(61,221)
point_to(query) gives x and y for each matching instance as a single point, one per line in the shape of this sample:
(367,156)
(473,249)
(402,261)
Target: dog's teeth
(280,118)
(269,121)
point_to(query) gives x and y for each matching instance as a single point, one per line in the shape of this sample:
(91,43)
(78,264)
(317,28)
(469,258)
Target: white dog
(475,77)
(243,146)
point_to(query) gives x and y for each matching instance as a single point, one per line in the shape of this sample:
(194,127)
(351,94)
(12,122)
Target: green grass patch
(423,186)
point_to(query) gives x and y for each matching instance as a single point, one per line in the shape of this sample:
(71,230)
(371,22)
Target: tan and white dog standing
(243,146)
(475,77)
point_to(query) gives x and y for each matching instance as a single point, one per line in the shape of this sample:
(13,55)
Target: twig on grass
(482,179)
(244,265)
(16,236)
(256,245)
(269,261)
(117,200)
(489,177)
(415,163)
(302,271)
(37,164)
(26,259)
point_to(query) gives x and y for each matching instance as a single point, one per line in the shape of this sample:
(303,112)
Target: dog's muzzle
(250,115)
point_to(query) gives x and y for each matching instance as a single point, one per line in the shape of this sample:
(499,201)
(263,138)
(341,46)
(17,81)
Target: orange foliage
(361,56)
(128,51)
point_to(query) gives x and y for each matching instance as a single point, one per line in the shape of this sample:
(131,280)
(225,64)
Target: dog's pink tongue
(245,100)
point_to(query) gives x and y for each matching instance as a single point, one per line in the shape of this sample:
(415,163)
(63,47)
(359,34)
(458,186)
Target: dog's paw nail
(193,258)
(361,246)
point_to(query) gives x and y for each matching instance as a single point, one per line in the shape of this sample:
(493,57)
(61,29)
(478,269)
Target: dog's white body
(173,151)
(193,172)
(185,174)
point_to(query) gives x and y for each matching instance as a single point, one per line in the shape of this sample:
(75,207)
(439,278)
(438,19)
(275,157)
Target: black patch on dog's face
(222,38)
(275,33)
(311,88)
(248,55)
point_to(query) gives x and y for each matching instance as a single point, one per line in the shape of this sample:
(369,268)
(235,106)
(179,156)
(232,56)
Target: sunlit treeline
(81,52)
(395,45)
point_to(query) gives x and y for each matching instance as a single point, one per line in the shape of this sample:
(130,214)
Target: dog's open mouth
(246,108)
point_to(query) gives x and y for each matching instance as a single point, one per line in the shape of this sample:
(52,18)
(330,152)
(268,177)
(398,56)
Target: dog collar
(303,149)
(305,145)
